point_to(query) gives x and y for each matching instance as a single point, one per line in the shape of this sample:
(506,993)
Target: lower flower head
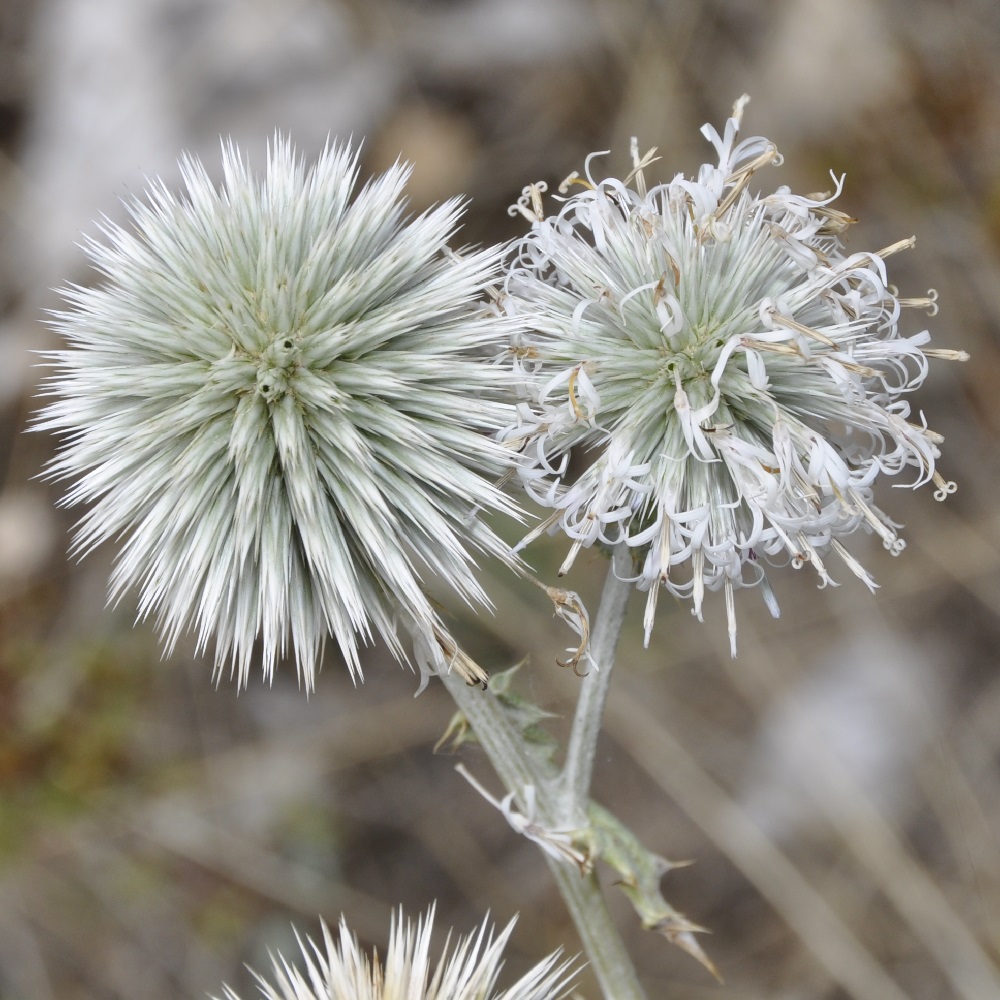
(339,970)
(278,399)
(737,378)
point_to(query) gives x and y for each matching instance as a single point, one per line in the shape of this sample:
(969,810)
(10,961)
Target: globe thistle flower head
(738,379)
(281,401)
(339,970)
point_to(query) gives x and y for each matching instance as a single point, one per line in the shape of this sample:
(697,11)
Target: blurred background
(838,785)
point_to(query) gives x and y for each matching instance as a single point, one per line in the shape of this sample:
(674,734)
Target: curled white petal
(746,378)
(557,842)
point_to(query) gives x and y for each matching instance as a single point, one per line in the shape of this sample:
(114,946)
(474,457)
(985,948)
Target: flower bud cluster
(281,402)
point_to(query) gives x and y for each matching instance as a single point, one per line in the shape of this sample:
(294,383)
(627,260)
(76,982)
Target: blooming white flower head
(281,400)
(739,380)
(339,970)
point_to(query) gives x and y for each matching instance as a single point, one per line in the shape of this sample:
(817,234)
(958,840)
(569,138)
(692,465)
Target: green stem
(565,803)
(582,894)
(504,746)
(600,938)
(578,769)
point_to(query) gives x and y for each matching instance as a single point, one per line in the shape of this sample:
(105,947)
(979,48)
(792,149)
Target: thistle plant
(270,399)
(737,384)
(291,404)
(468,970)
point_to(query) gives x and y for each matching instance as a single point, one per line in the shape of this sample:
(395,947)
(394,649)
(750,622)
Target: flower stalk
(561,801)
(581,750)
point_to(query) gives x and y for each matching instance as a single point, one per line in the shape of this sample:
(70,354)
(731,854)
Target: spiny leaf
(525,716)
(640,871)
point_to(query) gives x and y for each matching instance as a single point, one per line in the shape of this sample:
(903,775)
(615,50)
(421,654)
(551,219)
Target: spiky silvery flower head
(739,379)
(279,399)
(339,970)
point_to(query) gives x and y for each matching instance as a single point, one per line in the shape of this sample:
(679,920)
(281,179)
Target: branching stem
(561,801)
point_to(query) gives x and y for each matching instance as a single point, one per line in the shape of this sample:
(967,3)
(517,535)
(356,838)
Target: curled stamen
(945,487)
(574,178)
(807,331)
(944,354)
(741,178)
(530,195)
(928,302)
(571,609)
(907,244)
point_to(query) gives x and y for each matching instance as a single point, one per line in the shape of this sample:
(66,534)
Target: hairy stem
(503,744)
(579,767)
(562,801)
(602,943)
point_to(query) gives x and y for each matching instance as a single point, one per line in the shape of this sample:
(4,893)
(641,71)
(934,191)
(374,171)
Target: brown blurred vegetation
(837,785)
